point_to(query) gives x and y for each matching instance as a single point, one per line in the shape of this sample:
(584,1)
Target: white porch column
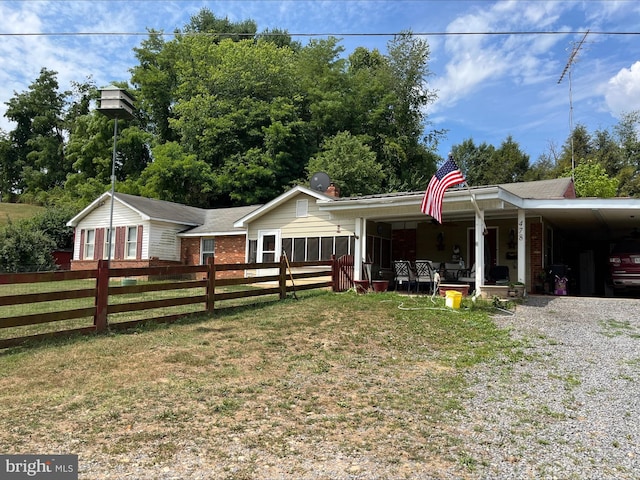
(522,246)
(480,225)
(360,247)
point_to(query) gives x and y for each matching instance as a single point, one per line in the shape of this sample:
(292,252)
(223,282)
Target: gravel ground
(571,411)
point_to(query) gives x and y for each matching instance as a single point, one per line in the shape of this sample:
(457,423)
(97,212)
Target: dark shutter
(81,254)
(121,233)
(139,244)
(98,244)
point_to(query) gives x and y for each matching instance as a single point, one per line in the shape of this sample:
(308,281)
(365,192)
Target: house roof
(542,189)
(204,221)
(148,209)
(164,211)
(219,221)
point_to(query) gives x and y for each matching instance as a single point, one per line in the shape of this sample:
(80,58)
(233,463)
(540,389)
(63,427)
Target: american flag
(447,175)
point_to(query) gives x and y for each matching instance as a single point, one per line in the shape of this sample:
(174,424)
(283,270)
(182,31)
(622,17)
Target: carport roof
(552,199)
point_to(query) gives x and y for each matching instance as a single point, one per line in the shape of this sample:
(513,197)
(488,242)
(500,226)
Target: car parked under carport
(624,265)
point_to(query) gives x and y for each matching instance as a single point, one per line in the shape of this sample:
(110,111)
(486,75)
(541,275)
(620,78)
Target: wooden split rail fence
(50,304)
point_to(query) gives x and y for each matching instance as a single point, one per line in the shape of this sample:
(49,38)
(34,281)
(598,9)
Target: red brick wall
(190,251)
(228,249)
(536,251)
(92,264)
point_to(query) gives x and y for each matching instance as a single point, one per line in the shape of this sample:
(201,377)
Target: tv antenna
(568,69)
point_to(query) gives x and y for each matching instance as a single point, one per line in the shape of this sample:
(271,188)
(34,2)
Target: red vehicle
(624,264)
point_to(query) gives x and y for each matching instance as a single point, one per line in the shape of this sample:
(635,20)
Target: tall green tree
(178,177)
(591,180)
(508,163)
(578,146)
(351,165)
(154,79)
(238,110)
(10,169)
(627,134)
(473,160)
(38,138)
(405,155)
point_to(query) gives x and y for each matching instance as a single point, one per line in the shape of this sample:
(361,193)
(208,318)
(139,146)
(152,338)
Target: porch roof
(552,199)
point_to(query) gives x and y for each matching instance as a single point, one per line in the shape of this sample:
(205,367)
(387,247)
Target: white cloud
(476,61)
(623,90)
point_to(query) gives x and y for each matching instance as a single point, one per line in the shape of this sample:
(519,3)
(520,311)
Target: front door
(269,249)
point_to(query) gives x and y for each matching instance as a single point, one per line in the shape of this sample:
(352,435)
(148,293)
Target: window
(89,244)
(253,251)
(132,242)
(268,248)
(312,249)
(287,247)
(302,208)
(107,236)
(208,249)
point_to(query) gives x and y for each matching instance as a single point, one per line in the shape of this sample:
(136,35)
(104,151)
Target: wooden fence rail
(148,289)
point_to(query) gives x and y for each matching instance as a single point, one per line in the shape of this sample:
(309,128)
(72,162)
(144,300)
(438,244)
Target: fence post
(283,277)
(211,284)
(334,273)
(102,296)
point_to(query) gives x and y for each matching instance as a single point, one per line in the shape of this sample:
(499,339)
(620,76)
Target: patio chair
(403,274)
(468,276)
(425,274)
(451,271)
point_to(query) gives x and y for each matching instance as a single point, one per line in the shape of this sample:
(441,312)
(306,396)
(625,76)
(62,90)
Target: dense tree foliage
(23,248)
(592,180)
(350,163)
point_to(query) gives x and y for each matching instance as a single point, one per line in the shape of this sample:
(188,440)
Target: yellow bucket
(453,299)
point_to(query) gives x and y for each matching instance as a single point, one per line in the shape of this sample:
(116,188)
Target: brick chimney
(333,191)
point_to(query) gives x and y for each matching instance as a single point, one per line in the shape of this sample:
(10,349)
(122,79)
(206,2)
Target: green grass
(17,211)
(379,375)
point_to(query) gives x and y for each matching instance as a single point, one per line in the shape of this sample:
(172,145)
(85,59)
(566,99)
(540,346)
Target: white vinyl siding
(158,238)
(99,218)
(315,224)
(163,241)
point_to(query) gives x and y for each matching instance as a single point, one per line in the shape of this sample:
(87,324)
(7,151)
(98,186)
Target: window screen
(342,246)
(326,248)
(313,249)
(299,249)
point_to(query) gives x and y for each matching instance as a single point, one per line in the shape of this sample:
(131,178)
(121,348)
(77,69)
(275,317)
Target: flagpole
(477,209)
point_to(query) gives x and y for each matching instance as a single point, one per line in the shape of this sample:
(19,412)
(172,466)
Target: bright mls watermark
(39,467)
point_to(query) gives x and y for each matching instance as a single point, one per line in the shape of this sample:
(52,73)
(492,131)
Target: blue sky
(489,85)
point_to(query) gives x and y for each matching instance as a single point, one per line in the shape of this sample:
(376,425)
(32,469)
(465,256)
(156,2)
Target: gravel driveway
(572,411)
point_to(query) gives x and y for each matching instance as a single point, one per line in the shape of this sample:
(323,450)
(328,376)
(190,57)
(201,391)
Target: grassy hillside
(16,211)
